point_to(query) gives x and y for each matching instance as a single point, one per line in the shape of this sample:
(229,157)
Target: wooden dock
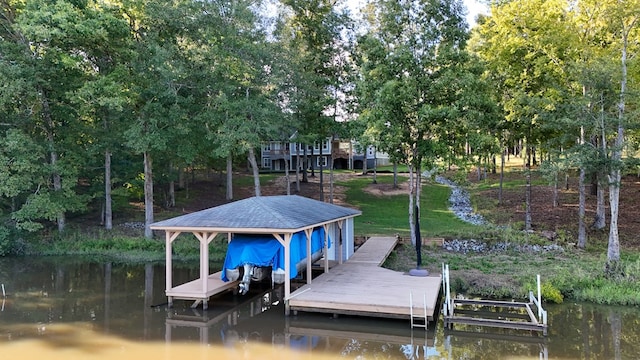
(360,286)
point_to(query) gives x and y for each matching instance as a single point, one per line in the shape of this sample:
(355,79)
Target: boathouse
(278,216)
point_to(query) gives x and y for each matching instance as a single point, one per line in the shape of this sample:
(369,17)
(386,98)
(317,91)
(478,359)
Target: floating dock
(361,287)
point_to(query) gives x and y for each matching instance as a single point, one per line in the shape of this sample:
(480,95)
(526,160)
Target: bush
(10,242)
(550,293)
(6,243)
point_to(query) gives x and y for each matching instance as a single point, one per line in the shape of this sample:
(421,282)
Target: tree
(44,47)
(313,31)
(528,45)
(411,65)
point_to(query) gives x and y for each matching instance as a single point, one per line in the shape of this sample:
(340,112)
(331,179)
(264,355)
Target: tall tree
(528,45)
(314,31)
(44,47)
(412,63)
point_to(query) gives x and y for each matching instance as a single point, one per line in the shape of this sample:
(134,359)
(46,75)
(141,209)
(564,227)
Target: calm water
(71,308)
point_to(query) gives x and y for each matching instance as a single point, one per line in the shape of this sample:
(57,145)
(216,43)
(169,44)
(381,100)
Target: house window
(325,145)
(266,163)
(321,161)
(266,147)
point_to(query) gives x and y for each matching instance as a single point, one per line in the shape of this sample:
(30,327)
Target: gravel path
(460,203)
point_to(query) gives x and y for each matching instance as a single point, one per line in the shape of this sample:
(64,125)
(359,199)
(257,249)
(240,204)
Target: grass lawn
(389,214)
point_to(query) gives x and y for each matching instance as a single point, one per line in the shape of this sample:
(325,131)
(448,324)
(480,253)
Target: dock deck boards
(361,287)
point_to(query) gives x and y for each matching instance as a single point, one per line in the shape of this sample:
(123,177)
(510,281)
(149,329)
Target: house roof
(262,214)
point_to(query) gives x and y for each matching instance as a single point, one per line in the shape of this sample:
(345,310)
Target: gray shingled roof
(264,212)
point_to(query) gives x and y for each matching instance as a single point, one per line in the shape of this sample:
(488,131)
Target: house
(346,154)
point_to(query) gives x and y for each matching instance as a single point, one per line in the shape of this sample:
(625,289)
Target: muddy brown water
(73,308)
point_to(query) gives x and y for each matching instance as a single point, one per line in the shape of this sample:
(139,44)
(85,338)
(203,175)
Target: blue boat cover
(265,250)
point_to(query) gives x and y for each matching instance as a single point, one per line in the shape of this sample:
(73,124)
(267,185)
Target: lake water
(68,307)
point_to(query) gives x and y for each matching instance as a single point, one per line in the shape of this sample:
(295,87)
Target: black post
(418,238)
(417,271)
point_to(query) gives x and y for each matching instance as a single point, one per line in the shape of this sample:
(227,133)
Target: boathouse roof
(260,214)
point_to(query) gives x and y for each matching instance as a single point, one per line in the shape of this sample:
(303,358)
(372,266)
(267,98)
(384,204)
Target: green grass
(569,275)
(389,215)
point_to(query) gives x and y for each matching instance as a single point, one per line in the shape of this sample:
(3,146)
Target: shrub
(6,243)
(550,293)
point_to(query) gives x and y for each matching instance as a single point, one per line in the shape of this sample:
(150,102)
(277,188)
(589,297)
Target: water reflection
(58,305)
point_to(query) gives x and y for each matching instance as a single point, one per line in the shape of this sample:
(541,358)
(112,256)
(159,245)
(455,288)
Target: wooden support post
(169,238)
(204,238)
(340,248)
(308,233)
(326,248)
(286,243)
(287,268)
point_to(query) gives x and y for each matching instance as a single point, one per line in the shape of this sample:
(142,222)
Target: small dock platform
(361,287)
(193,290)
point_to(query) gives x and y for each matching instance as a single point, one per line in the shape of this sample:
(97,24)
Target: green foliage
(6,243)
(550,293)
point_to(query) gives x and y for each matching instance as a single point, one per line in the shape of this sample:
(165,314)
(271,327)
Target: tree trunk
(181,178)
(305,162)
(57,186)
(582,231)
(613,249)
(555,190)
(148,195)
(375,165)
(321,177)
(256,173)
(55,173)
(298,171)
(172,187)
(601,214)
(313,161)
(108,211)
(229,194)
(331,179)
(501,175)
(286,173)
(395,175)
(364,162)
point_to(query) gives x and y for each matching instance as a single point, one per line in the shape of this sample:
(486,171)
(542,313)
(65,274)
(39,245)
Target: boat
(253,257)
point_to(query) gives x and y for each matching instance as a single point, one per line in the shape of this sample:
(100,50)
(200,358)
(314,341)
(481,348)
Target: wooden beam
(279,238)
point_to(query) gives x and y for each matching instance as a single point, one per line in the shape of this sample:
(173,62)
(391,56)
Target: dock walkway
(360,286)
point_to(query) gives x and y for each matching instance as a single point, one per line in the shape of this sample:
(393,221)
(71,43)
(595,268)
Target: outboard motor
(246,279)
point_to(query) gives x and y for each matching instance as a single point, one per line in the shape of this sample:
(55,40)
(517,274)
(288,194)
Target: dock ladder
(418,320)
